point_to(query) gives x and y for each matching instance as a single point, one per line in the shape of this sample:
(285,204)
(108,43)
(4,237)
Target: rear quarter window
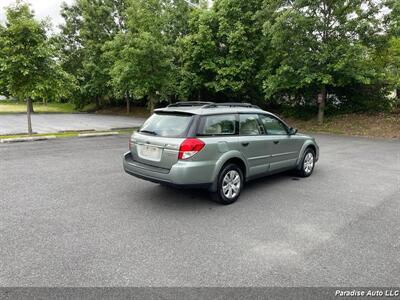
(217,125)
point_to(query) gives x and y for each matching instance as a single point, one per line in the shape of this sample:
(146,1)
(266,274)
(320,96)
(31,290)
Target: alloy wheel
(231,184)
(308,163)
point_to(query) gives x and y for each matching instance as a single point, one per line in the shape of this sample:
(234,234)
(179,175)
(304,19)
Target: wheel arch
(236,158)
(307,145)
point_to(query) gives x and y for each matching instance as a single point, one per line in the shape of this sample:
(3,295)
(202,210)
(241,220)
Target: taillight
(189,148)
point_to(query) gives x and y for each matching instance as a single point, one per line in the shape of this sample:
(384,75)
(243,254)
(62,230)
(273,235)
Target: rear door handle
(245,144)
(276,142)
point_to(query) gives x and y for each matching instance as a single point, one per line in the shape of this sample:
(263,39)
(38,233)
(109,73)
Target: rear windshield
(167,125)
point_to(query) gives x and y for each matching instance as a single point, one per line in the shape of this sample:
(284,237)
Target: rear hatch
(157,142)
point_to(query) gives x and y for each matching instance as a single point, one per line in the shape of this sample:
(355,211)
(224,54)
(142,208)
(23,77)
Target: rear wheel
(230,185)
(307,164)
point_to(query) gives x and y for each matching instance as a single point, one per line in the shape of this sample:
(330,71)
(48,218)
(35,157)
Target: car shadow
(271,179)
(188,198)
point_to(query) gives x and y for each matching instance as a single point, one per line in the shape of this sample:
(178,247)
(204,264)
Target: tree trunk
(30,103)
(397,97)
(151,103)
(29,109)
(128,104)
(97,102)
(321,105)
(45,102)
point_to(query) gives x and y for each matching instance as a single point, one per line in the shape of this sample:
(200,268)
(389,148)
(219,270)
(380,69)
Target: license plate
(149,152)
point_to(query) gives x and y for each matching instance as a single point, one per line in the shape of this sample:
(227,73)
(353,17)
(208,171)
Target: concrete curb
(126,128)
(95,134)
(28,139)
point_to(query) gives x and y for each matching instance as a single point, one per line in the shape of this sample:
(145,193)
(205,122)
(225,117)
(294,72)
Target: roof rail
(190,103)
(231,104)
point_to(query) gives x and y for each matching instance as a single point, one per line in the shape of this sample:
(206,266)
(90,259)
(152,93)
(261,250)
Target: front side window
(249,125)
(218,125)
(273,126)
(167,125)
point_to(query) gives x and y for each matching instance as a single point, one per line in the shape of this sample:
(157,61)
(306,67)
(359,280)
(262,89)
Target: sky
(42,8)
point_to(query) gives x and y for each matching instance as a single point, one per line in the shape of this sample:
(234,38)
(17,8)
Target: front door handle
(276,142)
(245,144)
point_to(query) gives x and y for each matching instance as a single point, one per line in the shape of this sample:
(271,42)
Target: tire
(229,186)
(307,164)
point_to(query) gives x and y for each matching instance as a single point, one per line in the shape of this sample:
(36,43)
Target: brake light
(189,148)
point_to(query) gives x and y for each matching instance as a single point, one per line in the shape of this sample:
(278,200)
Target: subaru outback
(218,147)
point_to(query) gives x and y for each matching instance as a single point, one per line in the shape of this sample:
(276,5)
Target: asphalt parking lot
(70,216)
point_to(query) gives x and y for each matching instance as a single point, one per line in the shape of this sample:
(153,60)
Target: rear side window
(249,125)
(217,125)
(273,126)
(167,125)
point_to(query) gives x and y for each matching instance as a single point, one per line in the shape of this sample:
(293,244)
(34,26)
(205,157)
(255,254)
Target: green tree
(319,45)
(198,51)
(393,65)
(392,22)
(98,27)
(142,56)
(392,19)
(224,51)
(89,25)
(176,28)
(3,86)
(69,40)
(29,65)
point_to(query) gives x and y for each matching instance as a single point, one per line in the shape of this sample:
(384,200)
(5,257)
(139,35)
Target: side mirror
(293,131)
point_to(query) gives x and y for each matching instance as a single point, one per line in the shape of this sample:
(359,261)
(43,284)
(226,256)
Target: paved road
(69,216)
(49,123)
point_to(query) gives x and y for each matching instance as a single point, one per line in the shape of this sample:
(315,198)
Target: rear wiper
(149,132)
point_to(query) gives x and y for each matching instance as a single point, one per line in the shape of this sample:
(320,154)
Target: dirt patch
(376,125)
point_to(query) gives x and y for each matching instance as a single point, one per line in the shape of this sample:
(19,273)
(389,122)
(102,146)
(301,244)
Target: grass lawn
(8,107)
(12,107)
(136,111)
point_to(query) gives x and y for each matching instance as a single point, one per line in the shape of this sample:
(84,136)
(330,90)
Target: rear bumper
(182,174)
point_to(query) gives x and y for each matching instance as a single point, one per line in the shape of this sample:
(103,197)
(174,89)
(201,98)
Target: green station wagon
(218,147)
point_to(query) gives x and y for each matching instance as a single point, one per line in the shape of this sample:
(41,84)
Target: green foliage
(89,24)
(98,27)
(315,44)
(3,83)
(198,51)
(357,98)
(393,64)
(143,54)
(392,20)
(269,52)
(29,68)
(223,53)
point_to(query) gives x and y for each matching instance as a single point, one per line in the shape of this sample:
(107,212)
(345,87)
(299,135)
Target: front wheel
(307,164)
(230,185)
